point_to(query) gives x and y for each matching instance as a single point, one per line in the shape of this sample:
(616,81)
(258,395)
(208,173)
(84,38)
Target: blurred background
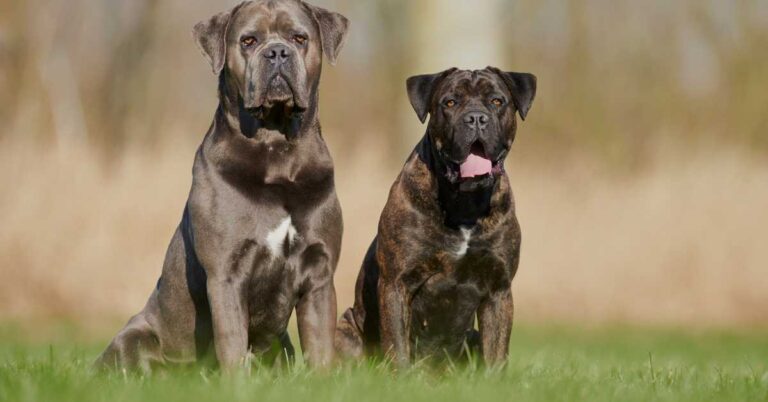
(641,174)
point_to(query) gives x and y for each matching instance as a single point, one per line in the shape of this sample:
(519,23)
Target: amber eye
(497,102)
(248,41)
(300,39)
(450,103)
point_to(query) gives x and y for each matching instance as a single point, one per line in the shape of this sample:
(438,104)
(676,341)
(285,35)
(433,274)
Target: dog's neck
(460,208)
(240,122)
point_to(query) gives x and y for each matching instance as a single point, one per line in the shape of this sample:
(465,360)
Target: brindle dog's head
(473,123)
(270,53)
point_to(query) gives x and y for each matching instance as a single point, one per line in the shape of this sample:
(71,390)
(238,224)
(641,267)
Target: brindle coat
(261,231)
(447,248)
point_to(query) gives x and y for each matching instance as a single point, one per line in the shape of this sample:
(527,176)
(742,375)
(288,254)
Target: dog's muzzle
(275,83)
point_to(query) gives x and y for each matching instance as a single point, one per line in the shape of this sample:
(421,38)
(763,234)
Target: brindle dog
(449,242)
(261,231)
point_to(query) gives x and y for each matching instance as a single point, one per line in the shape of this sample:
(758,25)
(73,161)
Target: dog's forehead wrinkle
(250,22)
(288,22)
(495,82)
(473,87)
(291,10)
(273,4)
(263,17)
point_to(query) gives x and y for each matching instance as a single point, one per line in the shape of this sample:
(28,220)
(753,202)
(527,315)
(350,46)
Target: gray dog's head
(473,123)
(270,52)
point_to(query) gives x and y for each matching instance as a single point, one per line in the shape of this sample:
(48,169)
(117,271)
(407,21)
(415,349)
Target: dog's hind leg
(288,353)
(273,352)
(349,339)
(284,356)
(358,334)
(473,344)
(135,348)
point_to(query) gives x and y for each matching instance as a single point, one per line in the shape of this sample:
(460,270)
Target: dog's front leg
(316,313)
(395,322)
(230,320)
(495,322)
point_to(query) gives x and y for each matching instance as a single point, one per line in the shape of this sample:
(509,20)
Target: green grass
(546,364)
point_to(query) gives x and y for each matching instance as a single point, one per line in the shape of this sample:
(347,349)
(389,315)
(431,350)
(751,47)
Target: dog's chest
(278,243)
(461,247)
(274,275)
(251,233)
(457,247)
(461,268)
(281,239)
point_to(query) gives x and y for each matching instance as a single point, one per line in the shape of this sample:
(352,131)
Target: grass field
(547,364)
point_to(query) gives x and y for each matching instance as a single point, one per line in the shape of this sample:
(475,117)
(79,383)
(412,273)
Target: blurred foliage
(614,76)
(617,76)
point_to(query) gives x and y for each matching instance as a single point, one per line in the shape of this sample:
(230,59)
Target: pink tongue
(475,166)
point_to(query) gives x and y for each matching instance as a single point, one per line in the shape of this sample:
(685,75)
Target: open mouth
(477,164)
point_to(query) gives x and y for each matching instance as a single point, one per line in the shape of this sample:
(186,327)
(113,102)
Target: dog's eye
(300,39)
(450,103)
(497,101)
(248,41)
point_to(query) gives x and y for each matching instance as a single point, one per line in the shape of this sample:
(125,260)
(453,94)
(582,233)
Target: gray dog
(261,231)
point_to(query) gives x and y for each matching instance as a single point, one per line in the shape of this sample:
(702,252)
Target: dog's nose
(476,120)
(277,53)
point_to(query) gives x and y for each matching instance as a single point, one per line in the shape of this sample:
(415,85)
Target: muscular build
(261,231)
(448,243)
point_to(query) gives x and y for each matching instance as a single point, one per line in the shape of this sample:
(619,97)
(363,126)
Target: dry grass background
(641,175)
(681,242)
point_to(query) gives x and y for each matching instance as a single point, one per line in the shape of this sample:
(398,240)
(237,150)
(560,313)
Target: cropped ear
(523,89)
(421,88)
(211,38)
(333,31)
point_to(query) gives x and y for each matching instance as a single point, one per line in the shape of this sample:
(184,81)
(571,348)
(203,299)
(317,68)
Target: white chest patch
(281,237)
(464,245)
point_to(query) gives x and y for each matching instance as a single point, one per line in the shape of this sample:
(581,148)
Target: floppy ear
(523,89)
(211,38)
(421,88)
(333,31)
